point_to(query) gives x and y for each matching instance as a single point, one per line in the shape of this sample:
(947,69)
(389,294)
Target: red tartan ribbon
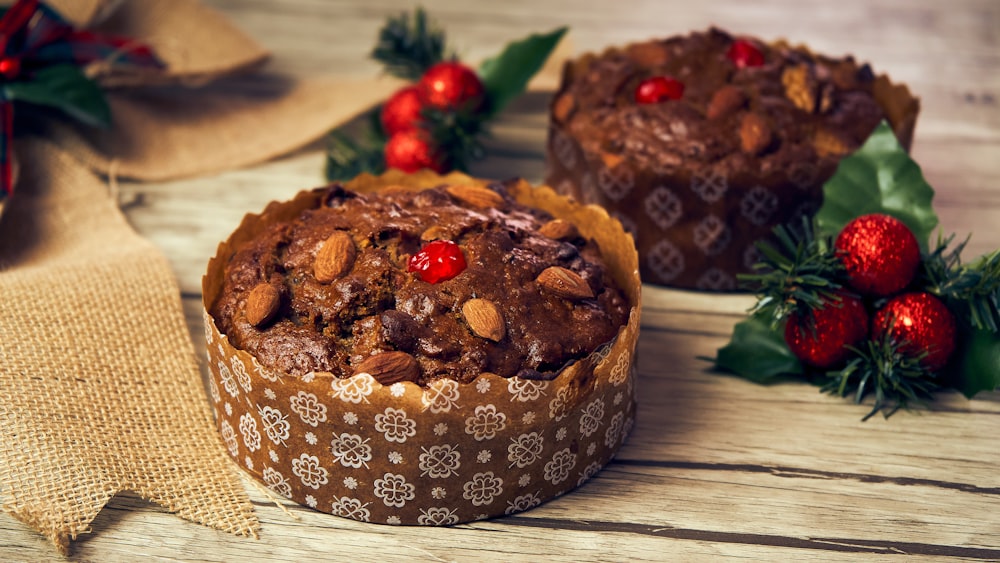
(34,36)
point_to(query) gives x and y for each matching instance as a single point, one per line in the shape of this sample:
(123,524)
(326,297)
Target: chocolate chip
(399,329)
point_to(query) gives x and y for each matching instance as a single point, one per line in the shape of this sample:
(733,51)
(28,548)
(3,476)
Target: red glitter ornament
(450,85)
(918,322)
(401,112)
(821,343)
(409,151)
(880,254)
(437,261)
(10,67)
(744,54)
(658,89)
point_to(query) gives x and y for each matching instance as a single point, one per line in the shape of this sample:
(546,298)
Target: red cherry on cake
(401,112)
(437,261)
(410,151)
(744,54)
(450,85)
(918,322)
(879,252)
(658,89)
(820,340)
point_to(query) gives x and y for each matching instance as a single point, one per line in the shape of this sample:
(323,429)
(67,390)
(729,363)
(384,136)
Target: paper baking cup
(698,230)
(435,455)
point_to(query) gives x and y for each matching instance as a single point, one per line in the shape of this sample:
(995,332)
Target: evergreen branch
(798,275)
(971,289)
(457,134)
(896,379)
(347,157)
(407,47)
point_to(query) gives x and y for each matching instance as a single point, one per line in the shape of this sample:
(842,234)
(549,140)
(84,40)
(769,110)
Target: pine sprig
(407,47)
(973,289)
(798,275)
(346,158)
(458,134)
(878,367)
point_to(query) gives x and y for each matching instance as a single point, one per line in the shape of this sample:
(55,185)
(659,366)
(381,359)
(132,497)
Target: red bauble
(437,261)
(10,67)
(744,54)
(409,151)
(880,254)
(658,89)
(918,322)
(837,324)
(401,112)
(451,85)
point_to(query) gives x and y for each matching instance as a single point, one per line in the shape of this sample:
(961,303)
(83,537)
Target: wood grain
(717,468)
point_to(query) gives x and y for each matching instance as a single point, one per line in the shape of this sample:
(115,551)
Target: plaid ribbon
(34,36)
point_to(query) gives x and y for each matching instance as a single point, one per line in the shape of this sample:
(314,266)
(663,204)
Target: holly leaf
(977,364)
(64,87)
(506,75)
(880,177)
(758,352)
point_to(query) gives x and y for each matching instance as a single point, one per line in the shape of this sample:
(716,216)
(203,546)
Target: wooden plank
(717,468)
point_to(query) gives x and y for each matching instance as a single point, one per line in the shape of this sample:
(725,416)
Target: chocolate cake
(375,385)
(333,291)
(702,144)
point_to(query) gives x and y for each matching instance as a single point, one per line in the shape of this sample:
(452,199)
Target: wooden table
(717,468)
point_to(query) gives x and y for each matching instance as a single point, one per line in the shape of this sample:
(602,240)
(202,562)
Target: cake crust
(338,311)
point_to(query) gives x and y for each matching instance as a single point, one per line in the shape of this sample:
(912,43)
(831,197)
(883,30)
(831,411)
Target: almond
(826,98)
(559,229)
(262,304)
(725,101)
(829,144)
(611,159)
(563,106)
(485,319)
(649,54)
(390,367)
(475,196)
(335,258)
(755,133)
(799,87)
(564,283)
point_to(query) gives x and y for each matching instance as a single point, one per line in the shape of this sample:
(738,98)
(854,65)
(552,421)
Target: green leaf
(64,87)
(880,177)
(506,75)
(757,352)
(976,366)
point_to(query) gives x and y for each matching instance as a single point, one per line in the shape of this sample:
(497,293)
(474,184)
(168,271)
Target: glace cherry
(745,54)
(437,261)
(658,89)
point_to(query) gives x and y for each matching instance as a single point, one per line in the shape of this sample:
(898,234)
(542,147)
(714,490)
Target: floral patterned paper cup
(436,455)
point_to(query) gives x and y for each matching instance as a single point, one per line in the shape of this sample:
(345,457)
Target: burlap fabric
(99,388)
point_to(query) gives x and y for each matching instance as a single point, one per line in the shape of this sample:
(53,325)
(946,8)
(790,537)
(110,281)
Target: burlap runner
(100,388)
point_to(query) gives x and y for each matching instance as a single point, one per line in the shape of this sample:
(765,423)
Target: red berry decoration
(409,151)
(437,261)
(880,254)
(918,322)
(744,54)
(836,325)
(658,89)
(450,85)
(401,112)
